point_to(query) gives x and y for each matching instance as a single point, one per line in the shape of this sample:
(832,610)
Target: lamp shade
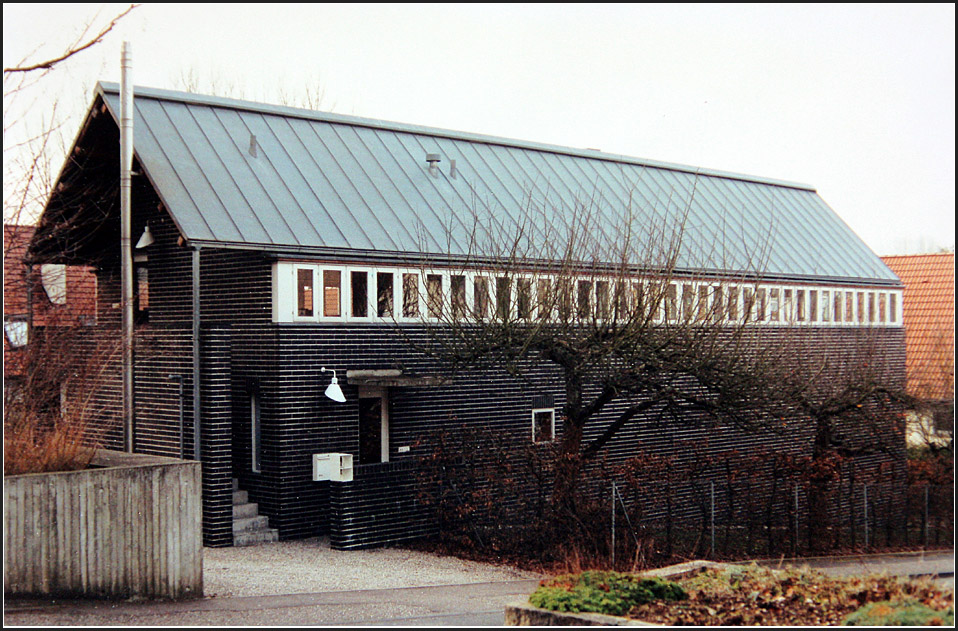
(146,239)
(334,392)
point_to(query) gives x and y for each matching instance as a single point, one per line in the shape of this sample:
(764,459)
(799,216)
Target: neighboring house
(286,242)
(929,317)
(49,295)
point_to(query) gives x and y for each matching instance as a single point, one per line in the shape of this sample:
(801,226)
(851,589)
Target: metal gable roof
(295,181)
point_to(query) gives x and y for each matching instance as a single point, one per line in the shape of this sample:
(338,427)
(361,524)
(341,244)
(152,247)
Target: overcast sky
(857,100)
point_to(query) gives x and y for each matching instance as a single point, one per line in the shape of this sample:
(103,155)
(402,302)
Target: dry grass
(51,418)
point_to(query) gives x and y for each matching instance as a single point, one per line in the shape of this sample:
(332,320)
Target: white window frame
(551,411)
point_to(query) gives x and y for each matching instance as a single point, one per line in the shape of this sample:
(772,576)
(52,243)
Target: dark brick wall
(244,352)
(379,506)
(216,436)
(284,362)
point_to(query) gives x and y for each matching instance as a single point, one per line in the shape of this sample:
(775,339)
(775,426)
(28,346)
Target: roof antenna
(252,145)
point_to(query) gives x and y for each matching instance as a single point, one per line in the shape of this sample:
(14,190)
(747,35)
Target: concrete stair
(249,527)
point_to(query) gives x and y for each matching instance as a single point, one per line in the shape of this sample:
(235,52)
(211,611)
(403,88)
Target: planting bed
(732,596)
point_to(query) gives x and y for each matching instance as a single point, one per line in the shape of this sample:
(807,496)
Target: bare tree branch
(73,50)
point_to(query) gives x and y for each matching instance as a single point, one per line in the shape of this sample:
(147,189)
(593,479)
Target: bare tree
(54,366)
(611,309)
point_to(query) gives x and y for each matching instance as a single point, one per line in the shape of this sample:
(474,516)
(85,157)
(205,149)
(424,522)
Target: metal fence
(709,519)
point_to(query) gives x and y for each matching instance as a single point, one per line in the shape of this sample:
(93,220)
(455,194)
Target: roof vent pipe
(126,257)
(452,169)
(433,160)
(252,145)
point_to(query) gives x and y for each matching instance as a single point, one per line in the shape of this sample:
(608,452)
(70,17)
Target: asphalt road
(476,604)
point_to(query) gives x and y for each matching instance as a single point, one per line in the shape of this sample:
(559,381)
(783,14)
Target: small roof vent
(433,160)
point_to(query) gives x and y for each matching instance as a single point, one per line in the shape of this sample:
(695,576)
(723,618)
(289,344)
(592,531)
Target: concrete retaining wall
(131,526)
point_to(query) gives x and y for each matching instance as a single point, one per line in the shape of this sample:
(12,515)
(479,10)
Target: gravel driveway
(310,566)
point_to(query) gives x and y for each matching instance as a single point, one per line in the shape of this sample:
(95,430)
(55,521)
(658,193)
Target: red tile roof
(80,285)
(929,317)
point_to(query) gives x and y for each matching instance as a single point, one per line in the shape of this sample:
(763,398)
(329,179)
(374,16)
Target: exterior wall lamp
(334,392)
(146,239)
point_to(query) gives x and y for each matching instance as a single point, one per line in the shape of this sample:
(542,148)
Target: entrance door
(373,426)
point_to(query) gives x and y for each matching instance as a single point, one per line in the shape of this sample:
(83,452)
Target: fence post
(796,518)
(613,524)
(865,511)
(926,516)
(712,517)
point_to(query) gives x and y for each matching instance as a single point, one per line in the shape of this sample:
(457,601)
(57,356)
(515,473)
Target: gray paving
(475,604)
(478,604)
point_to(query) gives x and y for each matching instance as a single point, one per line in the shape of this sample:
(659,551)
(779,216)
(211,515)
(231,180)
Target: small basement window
(543,425)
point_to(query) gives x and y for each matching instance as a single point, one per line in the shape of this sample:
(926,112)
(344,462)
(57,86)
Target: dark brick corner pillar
(216,436)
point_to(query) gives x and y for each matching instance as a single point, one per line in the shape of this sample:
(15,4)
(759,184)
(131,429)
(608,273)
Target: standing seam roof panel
(334,181)
(306,201)
(236,161)
(188,170)
(207,159)
(172,189)
(269,183)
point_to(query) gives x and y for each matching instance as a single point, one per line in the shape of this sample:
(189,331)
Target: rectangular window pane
(545,298)
(584,302)
(733,303)
(860,305)
(826,306)
(384,294)
(893,307)
(760,309)
(565,299)
(503,297)
(702,309)
(671,300)
(788,306)
(480,296)
(688,297)
(410,295)
(638,302)
(871,306)
(434,295)
(718,304)
(358,295)
(839,301)
(524,298)
(882,308)
(457,294)
(542,422)
(813,305)
(621,295)
(142,288)
(304,292)
(332,284)
(800,315)
(602,298)
(773,305)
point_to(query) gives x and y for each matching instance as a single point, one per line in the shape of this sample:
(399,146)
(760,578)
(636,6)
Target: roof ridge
(344,119)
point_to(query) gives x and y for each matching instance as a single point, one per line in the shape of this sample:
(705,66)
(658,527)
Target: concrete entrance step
(249,527)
